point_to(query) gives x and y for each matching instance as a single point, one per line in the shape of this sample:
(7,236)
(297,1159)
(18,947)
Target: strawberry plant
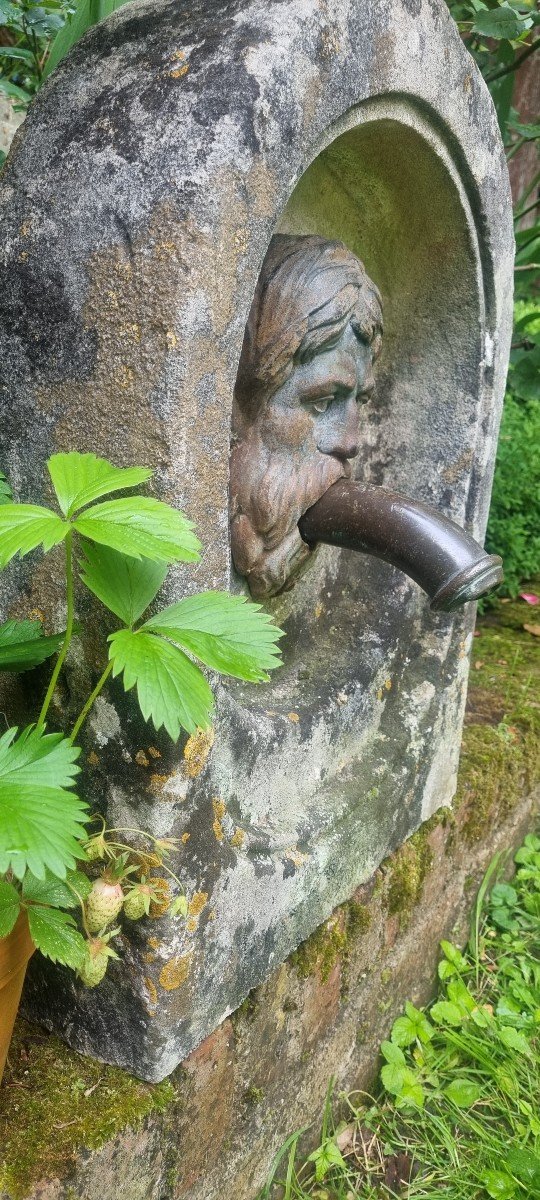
(120,549)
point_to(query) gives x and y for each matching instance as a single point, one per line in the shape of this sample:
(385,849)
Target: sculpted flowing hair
(309,290)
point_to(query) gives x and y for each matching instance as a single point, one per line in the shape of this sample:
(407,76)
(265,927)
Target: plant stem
(514,147)
(518,215)
(93,696)
(513,66)
(69,630)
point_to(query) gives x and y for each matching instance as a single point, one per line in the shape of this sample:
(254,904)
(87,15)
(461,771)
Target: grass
(457,1116)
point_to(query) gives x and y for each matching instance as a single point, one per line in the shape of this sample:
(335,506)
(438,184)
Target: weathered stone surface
(136,207)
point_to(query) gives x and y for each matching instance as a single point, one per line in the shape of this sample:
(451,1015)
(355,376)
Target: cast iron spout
(448,564)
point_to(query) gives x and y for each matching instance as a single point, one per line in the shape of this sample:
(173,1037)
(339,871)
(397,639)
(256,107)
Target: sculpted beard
(271,492)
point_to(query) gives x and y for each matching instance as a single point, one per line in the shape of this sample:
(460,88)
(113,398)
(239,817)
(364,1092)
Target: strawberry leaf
(171,690)
(228,633)
(25,526)
(57,893)
(10,907)
(41,821)
(79,479)
(54,933)
(142,528)
(124,585)
(23,645)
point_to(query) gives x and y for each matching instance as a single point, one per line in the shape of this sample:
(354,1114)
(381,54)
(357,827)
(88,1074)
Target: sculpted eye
(320,406)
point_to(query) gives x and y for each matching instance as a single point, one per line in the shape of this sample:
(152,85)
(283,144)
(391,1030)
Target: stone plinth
(136,208)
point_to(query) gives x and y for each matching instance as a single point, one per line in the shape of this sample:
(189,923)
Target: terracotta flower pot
(15,952)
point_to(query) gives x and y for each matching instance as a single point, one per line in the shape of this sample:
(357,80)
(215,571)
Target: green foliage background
(500,35)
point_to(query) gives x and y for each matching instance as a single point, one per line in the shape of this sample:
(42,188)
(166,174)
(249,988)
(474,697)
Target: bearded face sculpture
(313,334)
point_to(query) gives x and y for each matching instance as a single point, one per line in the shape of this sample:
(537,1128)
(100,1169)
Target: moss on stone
(407,870)
(500,757)
(320,952)
(358,918)
(55,1102)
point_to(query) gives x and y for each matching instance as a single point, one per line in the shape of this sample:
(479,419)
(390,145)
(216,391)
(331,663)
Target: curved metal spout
(448,564)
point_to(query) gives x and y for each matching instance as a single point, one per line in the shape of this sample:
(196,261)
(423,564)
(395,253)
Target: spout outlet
(444,560)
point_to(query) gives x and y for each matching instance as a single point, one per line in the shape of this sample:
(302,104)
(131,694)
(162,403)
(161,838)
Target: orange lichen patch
(148,958)
(218,830)
(238,838)
(177,72)
(293,716)
(92,758)
(191,925)
(161,903)
(154,943)
(152,991)
(318,610)
(141,759)
(185,838)
(156,783)
(219,807)
(146,860)
(296,857)
(196,751)
(197,903)
(175,972)
(388,684)
(153,752)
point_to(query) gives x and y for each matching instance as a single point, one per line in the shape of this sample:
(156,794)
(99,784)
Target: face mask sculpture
(313,335)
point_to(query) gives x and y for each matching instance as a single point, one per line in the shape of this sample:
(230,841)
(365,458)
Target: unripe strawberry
(95,964)
(137,902)
(103,903)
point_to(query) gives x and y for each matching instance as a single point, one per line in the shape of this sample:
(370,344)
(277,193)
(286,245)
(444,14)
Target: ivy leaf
(57,893)
(142,528)
(41,822)
(171,690)
(5,490)
(502,22)
(23,645)
(124,585)
(79,479)
(54,933)
(227,633)
(10,907)
(463,1092)
(25,526)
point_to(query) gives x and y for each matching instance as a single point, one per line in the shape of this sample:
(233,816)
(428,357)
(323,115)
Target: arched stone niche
(137,206)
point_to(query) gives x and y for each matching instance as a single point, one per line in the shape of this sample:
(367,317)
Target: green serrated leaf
(55,934)
(23,645)
(403,1032)
(124,585)
(227,633)
(445,1013)
(10,907)
(79,479)
(463,1092)
(525,1165)
(25,526)
(498,1185)
(142,528)
(41,821)
(514,1040)
(392,1053)
(57,893)
(171,690)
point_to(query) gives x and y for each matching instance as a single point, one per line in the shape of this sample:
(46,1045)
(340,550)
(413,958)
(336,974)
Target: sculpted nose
(342,439)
